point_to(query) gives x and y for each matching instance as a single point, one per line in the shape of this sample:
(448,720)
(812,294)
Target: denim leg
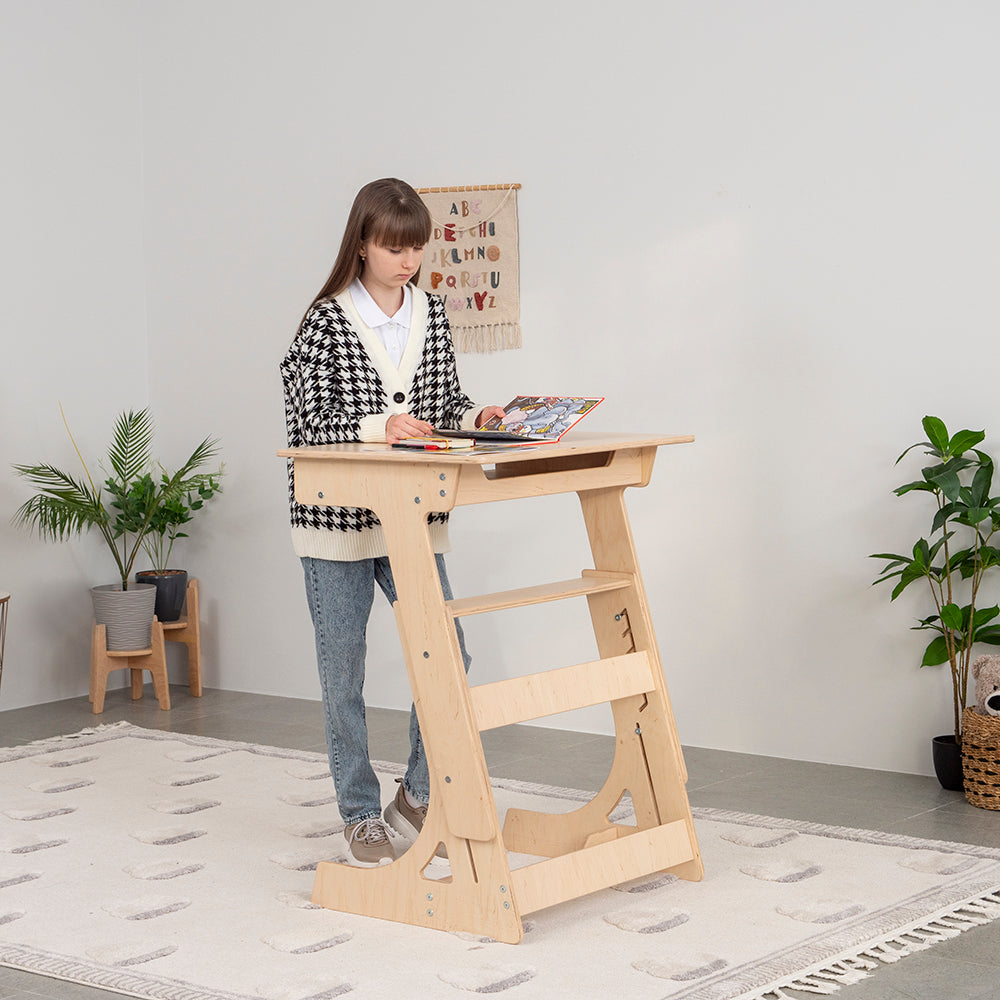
(340,600)
(417,779)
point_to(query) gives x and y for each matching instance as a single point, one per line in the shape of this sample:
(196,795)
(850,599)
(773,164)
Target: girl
(373,360)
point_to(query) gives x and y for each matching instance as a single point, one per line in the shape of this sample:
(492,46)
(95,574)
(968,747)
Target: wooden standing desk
(583,850)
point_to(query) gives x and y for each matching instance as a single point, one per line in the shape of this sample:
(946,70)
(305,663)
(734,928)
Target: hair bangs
(403,225)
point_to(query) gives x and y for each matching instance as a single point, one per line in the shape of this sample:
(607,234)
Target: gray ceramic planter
(126,614)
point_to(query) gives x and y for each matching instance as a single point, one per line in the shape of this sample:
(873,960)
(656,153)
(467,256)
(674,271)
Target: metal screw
(638,731)
(503,888)
(321,496)
(430,895)
(430,913)
(447,778)
(506,906)
(618,618)
(442,477)
(416,499)
(443,493)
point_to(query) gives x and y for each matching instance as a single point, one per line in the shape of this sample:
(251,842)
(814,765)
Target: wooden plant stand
(583,850)
(104,661)
(187,629)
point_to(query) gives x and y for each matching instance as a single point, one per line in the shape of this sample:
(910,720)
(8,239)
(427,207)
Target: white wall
(770,225)
(73,302)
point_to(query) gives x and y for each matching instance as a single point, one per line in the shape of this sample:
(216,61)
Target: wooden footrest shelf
(591,583)
(536,696)
(556,880)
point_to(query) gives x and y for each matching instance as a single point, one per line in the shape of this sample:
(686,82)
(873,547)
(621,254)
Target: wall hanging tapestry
(472,262)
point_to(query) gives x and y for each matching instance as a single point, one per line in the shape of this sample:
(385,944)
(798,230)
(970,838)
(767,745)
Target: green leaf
(949,484)
(936,652)
(62,507)
(918,485)
(941,517)
(911,573)
(981,484)
(957,558)
(129,451)
(951,616)
(935,429)
(919,444)
(964,440)
(984,615)
(936,547)
(972,516)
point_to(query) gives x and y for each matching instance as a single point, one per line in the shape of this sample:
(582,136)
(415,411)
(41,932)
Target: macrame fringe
(829,978)
(487,338)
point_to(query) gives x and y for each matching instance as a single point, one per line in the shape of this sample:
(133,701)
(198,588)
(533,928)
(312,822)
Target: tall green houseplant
(66,505)
(956,554)
(171,514)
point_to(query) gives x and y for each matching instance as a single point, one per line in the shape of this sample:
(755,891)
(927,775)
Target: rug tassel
(828,979)
(12,753)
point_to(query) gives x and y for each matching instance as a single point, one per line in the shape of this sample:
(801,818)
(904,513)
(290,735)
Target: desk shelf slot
(592,582)
(536,696)
(567,876)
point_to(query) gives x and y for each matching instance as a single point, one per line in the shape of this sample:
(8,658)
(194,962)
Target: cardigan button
(399,397)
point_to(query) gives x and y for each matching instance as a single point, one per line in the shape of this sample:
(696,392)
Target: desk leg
(461,814)
(647,741)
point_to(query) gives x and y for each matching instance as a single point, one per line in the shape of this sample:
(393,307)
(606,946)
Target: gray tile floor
(965,968)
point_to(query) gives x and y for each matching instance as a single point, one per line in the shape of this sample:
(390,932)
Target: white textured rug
(171,866)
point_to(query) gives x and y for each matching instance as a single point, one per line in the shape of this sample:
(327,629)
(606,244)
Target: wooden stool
(187,629)
(103,661)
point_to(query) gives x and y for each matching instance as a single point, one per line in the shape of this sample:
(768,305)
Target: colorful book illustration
(531,419)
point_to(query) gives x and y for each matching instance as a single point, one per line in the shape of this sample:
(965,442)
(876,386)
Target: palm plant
(66,505)
(955,556)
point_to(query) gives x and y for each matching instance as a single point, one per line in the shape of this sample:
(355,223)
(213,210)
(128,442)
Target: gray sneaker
(403,818)
(368,844)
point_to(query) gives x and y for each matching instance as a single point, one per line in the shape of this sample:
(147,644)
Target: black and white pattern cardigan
(340,385)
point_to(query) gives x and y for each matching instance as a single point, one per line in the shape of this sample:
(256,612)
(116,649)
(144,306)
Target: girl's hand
(402,425)
(489,413)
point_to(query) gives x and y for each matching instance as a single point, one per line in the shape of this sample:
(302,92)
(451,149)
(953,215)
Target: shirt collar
(370,312)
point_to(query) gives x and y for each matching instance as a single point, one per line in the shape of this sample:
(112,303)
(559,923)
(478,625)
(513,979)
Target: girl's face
(389,267)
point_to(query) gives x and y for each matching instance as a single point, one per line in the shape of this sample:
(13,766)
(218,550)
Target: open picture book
(531,419)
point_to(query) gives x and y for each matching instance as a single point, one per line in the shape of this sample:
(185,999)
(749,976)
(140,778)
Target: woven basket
(981,758)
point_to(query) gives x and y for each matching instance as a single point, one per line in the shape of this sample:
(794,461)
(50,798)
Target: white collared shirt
(393,331)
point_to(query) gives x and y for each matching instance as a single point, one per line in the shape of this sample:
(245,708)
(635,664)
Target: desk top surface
(573,444)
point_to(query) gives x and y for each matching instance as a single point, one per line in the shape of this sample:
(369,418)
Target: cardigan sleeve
(321,393)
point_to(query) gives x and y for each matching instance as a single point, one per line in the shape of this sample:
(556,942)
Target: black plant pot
(948,763)
(171,589)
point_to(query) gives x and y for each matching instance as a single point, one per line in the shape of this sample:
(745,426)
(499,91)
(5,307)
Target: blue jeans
(340,596)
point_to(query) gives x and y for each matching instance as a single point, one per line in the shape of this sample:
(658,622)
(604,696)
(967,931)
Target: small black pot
(948,762)
(171,589)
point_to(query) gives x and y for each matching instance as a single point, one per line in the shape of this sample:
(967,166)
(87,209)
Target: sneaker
(368,844)
(403,818)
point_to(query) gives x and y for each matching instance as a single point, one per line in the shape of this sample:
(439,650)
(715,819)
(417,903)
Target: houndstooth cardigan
(340,385)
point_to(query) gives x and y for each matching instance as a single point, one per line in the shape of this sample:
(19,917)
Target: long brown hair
(390,214)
